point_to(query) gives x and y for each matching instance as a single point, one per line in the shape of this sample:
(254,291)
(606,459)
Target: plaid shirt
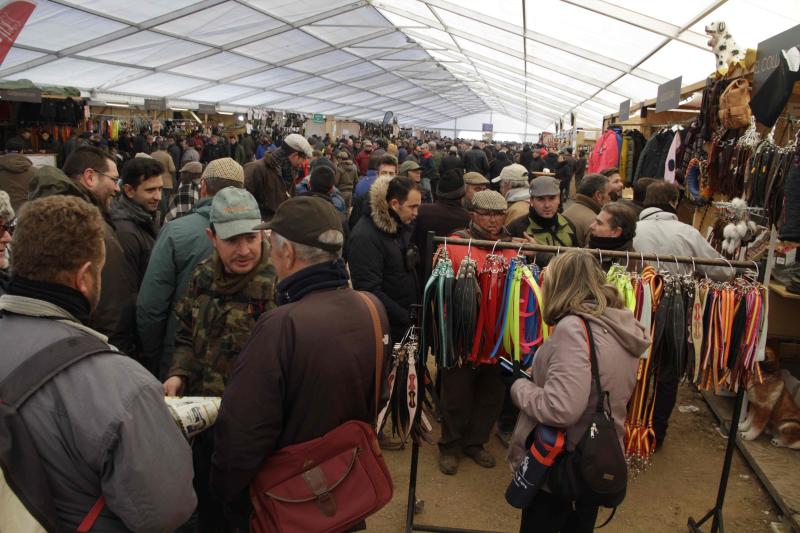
(183,203)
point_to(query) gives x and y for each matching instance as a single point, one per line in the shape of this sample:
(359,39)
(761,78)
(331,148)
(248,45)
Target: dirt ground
(681,482)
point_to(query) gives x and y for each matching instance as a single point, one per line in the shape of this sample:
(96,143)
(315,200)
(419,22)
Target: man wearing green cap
(226,295)
(309,365)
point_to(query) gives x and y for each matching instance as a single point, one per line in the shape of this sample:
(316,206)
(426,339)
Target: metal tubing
(606,253)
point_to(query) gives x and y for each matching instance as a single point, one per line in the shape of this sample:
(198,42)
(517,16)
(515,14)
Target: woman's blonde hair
(575,283)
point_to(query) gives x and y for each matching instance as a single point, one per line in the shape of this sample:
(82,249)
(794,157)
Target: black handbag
(596,471)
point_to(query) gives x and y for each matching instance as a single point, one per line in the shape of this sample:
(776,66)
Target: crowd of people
(229,268)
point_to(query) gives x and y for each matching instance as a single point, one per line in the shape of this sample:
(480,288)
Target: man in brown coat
(288,386)
(271,179)
(16,171)
(592,196)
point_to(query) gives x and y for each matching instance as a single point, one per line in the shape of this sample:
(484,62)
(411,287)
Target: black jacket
(537,164)
(475,160)
(526,158)
(443,218)
(497,166)
(551,161)
(450,162)
(137,231)
(378,248)
(654,156)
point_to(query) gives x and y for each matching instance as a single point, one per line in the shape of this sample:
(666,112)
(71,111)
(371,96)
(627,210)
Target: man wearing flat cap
(309,365)
(472,394)
(544,224)
(473,182)
(271,180)
(227,294)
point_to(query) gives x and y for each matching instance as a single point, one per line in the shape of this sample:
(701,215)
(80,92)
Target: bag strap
(595,370)
(45,364)
(40,368)
(378,332)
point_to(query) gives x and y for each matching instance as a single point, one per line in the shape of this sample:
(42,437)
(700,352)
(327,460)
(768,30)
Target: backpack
(596,471)
(25,501)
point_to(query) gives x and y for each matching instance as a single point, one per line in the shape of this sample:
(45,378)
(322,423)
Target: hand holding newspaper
(193,414)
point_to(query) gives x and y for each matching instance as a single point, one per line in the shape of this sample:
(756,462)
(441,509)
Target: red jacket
(362,162)
(605,154)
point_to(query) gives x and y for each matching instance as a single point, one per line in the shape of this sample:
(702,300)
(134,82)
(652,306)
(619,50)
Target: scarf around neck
(548,224)
(609,243)
(284,167)
(322,276)
(67,298)
(227,283)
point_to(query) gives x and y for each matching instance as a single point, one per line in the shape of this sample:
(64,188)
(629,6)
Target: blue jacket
(365,183)
(181,245)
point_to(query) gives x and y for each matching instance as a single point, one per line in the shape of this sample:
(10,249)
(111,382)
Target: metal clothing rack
(432,239)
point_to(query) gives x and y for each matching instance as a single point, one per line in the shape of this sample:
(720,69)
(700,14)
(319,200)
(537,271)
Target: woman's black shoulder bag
(596,471)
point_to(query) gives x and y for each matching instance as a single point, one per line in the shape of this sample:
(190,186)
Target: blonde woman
(561,393)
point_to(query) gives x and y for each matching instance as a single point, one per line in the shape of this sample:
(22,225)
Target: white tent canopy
(519,64)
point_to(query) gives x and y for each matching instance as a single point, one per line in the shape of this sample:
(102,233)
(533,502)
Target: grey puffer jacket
(562,393)
(101,428)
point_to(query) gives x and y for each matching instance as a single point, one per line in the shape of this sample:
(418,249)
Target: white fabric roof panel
(431,61)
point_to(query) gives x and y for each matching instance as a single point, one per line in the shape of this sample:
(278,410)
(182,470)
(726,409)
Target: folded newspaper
(193,414)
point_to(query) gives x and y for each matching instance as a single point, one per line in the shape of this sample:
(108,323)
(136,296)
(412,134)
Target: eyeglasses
(109,176)
(8,227)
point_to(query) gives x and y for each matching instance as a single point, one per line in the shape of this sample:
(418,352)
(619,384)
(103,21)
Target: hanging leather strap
(378,332)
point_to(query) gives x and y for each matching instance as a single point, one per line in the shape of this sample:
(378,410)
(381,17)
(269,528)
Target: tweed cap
(545,186)
(489,200)
(343,155)
(195,167)
(475,178)
(297,142)
(224,168)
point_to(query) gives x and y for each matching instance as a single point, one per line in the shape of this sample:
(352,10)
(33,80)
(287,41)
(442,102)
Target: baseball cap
(194,167)
(234,212)
(513,172)
(297,142)
(303,219)
(453,149)
(544,186)
(224,168)
(475,178)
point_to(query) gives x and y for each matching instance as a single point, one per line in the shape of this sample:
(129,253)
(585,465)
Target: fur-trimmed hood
(380,214)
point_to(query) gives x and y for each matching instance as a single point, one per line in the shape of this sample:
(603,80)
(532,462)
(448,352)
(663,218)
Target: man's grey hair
(312,254)
(515,183)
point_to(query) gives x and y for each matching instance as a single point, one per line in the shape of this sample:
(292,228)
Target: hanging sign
(669,95)
(487,126)
(12,19)
(768,54)
(208,109)
(625,110)
(155,105)
(318,118)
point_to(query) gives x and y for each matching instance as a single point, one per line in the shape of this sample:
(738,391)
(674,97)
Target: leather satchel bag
(328,484)
(734,105)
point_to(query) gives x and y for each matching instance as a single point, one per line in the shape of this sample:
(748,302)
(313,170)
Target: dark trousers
(550,514)
(210,512)
(666,396)
(471,400)
(508,415)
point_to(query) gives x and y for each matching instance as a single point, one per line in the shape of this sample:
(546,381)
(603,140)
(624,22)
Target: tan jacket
(169,168)
(582,213)
(561,393)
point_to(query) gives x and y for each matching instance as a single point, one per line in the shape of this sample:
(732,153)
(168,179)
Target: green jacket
(562,234)
(180,246)
(215,319)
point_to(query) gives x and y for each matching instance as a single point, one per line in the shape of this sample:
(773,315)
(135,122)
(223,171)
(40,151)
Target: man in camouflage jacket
(226,295)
